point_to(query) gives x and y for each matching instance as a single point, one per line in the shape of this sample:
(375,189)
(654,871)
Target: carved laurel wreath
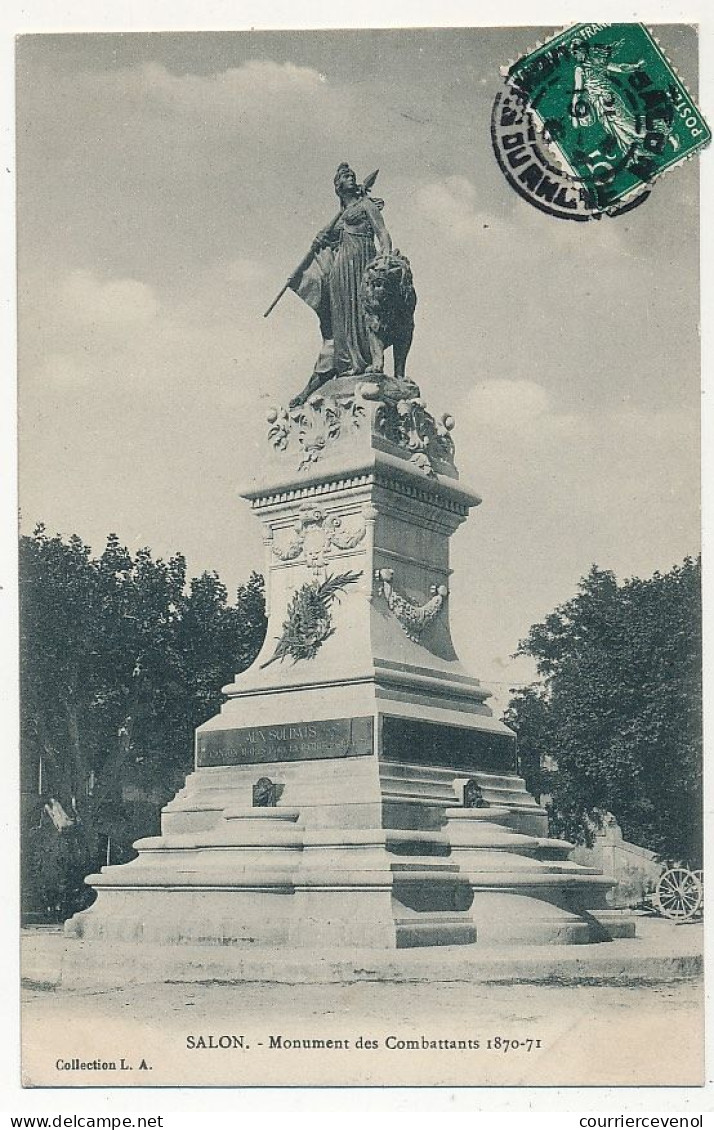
(308,622)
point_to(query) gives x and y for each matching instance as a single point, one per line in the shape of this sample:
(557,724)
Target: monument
(355,789)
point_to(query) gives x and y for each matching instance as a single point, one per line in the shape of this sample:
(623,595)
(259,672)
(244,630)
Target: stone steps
(434,930)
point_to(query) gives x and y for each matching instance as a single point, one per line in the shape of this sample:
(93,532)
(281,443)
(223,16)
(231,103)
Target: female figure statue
(359,224)
(331,283)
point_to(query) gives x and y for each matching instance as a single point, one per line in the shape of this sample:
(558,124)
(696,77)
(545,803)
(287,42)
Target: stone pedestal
(327,804)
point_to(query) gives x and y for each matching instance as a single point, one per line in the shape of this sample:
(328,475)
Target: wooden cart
(679,893)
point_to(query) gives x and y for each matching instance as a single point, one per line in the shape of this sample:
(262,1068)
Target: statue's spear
(307,259)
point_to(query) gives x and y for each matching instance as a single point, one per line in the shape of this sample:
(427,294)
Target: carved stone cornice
(381,471)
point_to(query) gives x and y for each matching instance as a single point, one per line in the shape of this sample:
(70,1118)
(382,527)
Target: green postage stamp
(604,101)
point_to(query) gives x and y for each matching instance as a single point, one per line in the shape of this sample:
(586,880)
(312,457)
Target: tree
(618,708)
(120,660)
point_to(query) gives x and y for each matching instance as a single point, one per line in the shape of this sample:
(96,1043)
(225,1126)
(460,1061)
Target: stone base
(179,917)
(398,864)
(527,890)
(661,953)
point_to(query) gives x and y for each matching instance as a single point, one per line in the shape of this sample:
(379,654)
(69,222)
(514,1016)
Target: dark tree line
(121,657)
(618,708)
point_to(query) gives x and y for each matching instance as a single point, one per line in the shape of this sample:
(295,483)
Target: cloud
(451,204)
(597,473)
(109,303)
(255,80)
(236,93)
(508,404)
(499,410)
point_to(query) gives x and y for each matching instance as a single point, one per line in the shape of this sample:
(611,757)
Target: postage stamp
(591,118)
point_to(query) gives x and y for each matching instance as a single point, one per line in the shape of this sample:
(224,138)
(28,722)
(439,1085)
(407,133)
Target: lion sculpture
(388,302)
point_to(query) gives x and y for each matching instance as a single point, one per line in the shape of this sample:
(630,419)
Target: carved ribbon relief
(316,534)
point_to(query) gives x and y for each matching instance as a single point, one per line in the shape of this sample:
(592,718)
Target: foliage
(308,622)
(618,708)
(55,865)
(120,660)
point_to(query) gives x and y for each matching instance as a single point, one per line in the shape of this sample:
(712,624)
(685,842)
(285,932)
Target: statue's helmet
(343,170)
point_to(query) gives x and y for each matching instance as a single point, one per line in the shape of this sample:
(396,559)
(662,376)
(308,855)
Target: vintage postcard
(360,609)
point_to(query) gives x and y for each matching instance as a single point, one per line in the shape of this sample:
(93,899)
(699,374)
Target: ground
(642,1026)
(589,1034)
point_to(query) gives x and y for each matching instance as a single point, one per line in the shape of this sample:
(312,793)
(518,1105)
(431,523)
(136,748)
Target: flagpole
(307,259)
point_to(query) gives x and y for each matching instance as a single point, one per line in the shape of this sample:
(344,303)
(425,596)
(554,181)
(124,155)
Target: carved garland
(410,426)
(414,618)
(314,425)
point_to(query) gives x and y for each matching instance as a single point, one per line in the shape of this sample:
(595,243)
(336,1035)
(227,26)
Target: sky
(167,185)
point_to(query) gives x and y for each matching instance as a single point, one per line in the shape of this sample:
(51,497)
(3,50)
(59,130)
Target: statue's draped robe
(331,286)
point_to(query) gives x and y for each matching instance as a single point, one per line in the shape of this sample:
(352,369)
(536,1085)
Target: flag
(312,285)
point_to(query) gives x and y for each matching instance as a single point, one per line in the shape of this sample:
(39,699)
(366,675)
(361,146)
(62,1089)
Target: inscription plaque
(450,747)
(297,741)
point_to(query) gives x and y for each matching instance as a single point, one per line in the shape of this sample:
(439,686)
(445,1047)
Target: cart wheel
(678,894)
